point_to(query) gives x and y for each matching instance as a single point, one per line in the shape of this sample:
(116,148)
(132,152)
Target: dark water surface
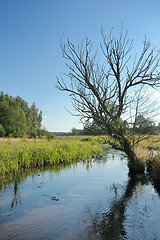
(97,200)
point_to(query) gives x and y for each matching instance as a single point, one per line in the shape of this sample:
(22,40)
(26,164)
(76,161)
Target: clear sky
(30,54)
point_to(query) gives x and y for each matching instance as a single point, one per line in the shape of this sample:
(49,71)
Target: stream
(96,199)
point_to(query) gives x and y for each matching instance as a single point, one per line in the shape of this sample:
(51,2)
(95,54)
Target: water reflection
(98,200)
(110,224)
(22,175)
(16,195)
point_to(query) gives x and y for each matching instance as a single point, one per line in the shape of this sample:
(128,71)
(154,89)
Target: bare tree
(101,92)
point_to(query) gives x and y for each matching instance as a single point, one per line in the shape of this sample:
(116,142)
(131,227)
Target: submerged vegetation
(19,154)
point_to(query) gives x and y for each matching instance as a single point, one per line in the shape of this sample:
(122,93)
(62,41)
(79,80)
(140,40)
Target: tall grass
(148,151)
(16,155)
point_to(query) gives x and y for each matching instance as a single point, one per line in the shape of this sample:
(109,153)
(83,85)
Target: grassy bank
(147,146)
(148,151)
(17,154)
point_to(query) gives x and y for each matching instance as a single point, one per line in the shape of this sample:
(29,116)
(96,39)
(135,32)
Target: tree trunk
(134,164)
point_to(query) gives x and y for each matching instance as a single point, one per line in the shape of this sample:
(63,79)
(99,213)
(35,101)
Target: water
(97,200)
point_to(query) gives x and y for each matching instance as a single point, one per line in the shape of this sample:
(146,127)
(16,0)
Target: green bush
(50,136)
(93,140)
(2,131)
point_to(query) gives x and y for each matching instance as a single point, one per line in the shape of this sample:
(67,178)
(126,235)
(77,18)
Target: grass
(18,154)
(148,151)
(147,146)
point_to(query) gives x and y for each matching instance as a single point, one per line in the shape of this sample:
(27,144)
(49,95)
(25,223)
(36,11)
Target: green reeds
(37,155)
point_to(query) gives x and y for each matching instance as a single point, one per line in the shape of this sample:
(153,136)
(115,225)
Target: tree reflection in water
(110,225)
(16,195)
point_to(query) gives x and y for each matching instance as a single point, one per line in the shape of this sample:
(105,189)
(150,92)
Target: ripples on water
(97,200)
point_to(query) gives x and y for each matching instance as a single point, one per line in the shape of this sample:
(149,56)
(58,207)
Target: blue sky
(30,54)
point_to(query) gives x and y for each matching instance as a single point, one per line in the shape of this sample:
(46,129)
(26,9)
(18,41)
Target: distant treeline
(76,132)
(17,118)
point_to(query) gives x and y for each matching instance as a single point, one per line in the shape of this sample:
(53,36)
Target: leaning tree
(108,92)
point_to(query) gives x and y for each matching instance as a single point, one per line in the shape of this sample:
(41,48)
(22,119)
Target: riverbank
(17,154)
(148,151)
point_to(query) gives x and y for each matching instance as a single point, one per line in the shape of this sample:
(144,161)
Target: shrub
(2,131)
(50,136)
